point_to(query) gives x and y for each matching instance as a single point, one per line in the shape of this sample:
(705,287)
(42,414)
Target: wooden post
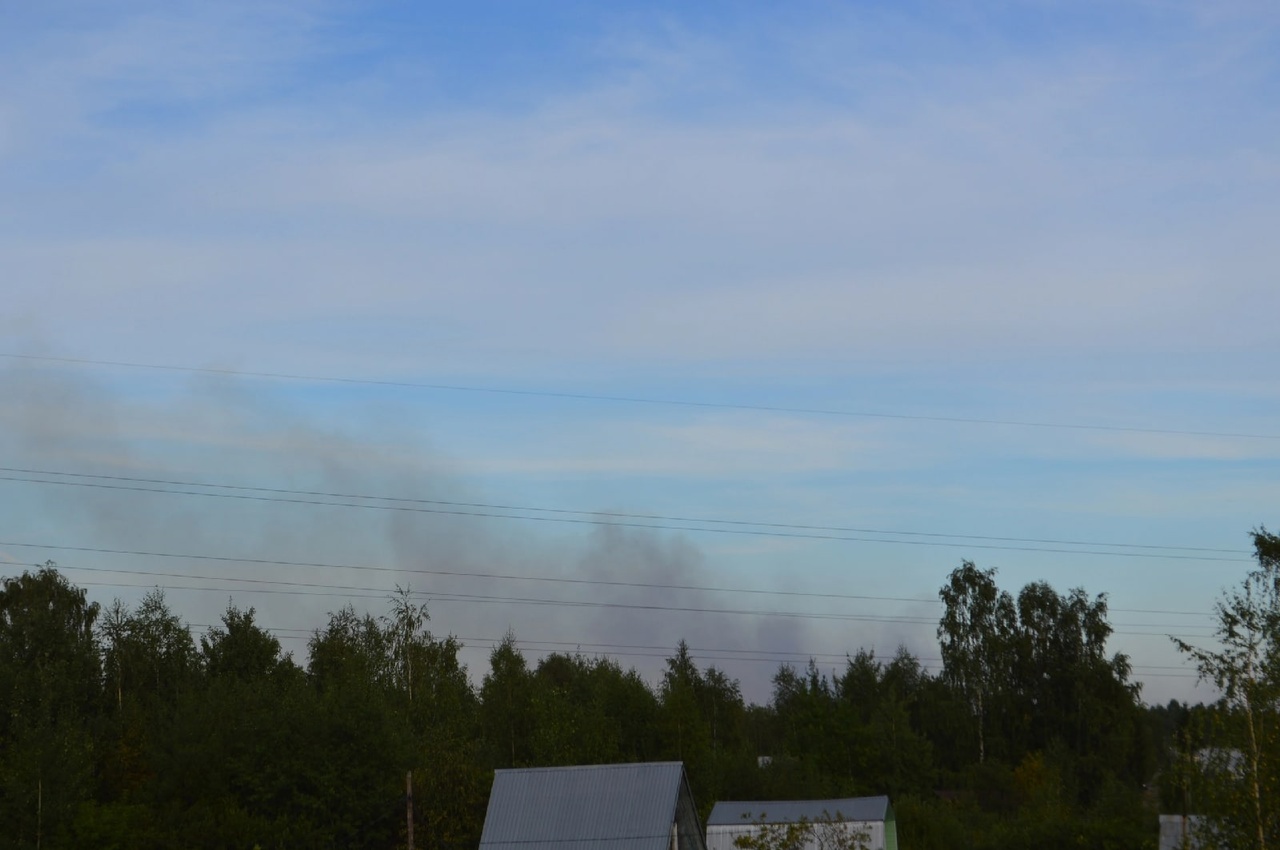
(408,806)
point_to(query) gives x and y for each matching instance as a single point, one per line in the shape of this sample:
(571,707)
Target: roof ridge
(613,765)
(805,800)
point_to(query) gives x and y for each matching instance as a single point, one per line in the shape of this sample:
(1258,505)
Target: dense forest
(118,729)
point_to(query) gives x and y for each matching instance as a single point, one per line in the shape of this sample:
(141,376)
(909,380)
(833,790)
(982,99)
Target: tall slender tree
(976,635)
(49,680)
(1243,779)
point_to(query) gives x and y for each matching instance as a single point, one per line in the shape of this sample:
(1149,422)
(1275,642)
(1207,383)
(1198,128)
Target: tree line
(119,729)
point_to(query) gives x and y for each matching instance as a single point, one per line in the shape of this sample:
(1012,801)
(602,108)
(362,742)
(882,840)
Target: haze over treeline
(123,730)
(616,325)
(853,245)
(215,486)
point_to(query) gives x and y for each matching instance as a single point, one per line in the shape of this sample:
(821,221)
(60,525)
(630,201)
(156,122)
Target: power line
(513,577)
(289,588)
(1139,671)
(462,574)
(535,645)
(622,650)
(649,650)
(598,513)
(641,400)
(606,521)
(763,656)
(925,662)
(360,592)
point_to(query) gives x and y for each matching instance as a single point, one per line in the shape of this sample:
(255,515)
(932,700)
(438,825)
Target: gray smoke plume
(631,593)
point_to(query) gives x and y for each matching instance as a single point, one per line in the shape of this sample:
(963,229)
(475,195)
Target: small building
(870,817)
(1178,832)
(598,807)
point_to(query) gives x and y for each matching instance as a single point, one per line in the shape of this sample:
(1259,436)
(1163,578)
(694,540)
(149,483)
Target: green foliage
(1037,678)
(49,680)
(506,700)
(150,657)
(117,826)
(927,822)
(828,832)
(878,714)
(240,649)
(701,721)
(976,636)
(1238,778)
(131,735)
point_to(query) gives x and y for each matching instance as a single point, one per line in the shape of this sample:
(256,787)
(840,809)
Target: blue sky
(1009,212)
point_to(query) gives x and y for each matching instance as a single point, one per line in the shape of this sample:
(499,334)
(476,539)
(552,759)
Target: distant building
(871,817)
(1177,832)
(598,807)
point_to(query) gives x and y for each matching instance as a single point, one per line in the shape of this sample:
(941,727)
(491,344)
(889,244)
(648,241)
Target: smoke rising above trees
(155,734)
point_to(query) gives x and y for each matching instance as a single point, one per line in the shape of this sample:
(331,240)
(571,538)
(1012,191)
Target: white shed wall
(1176,832)
(721,837)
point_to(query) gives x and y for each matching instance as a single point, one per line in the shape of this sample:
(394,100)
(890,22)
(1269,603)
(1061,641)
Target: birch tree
(975,635)
(1242,777)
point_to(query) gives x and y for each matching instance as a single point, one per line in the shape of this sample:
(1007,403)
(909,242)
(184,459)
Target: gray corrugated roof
(598,807)
(792,811)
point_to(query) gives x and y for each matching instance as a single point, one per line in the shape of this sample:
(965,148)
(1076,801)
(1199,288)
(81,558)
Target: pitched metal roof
(739,813)
(597,807)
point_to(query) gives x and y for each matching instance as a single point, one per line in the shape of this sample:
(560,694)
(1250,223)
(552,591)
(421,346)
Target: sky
(612,325)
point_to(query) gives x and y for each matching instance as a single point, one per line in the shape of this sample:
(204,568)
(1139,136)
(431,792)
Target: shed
(871,816)
(1178,832)
(593,807)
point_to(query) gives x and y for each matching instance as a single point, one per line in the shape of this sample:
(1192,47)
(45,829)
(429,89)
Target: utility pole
(408,806)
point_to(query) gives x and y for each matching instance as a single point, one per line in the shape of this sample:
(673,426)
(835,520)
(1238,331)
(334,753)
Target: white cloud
(731,445)
(984,216)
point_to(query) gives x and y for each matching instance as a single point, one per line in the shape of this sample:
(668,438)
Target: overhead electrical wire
(603,513)
(697,651)
(622,650)
(299,588)
(379,593)
(375,593)
(607,520)
(650,521)
(641,400)
(278,562)
(1137,671)
(470,574)
(747,655)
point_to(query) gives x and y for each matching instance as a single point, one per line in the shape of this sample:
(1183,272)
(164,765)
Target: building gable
(596,807)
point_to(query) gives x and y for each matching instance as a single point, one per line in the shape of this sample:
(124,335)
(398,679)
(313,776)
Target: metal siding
(721,836)
(600,807)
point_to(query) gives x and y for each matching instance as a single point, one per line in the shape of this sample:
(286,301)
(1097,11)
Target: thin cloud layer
(1020,202)
(1047,214)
